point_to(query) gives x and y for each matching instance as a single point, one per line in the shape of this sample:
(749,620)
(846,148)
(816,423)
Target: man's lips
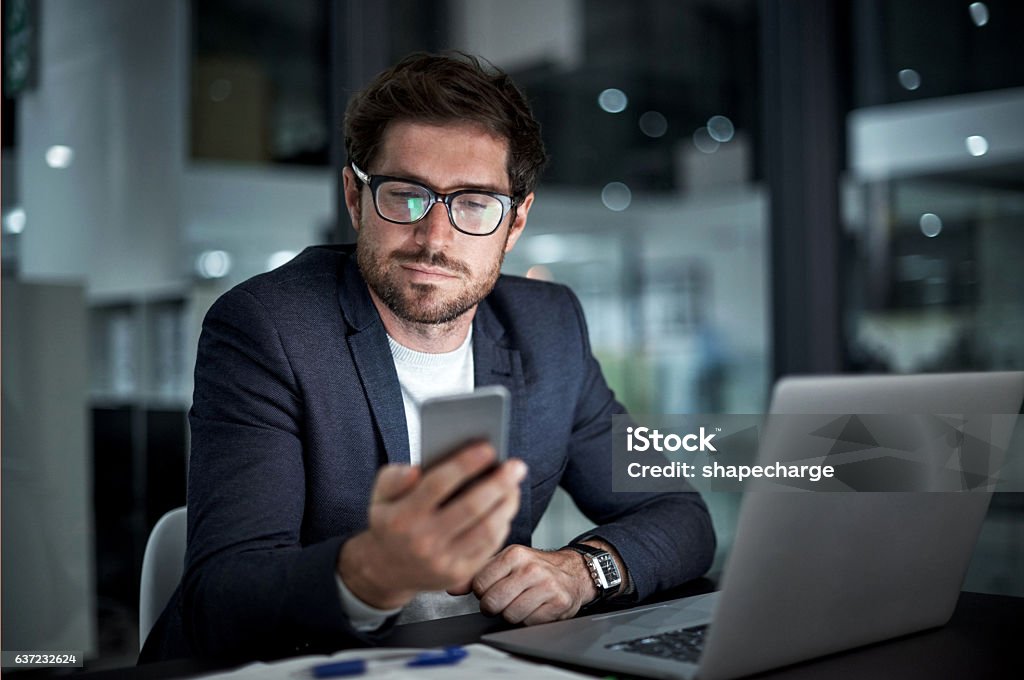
(426,271)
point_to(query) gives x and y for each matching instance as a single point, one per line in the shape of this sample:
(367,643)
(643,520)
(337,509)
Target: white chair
(162,564)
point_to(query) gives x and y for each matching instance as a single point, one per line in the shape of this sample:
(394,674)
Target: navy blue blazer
(297,404)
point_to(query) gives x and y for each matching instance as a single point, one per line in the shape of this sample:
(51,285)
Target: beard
(419,302)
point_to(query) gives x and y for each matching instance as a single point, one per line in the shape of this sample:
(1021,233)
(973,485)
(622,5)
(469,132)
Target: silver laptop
(809,573)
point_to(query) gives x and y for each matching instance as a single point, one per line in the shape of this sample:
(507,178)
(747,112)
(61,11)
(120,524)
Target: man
(308,527)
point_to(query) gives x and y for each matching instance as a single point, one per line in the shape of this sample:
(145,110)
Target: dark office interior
(738,190)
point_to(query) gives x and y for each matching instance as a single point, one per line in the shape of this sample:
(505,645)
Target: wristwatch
(601,565)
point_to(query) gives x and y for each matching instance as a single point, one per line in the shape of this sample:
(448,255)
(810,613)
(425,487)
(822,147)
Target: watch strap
(585,549)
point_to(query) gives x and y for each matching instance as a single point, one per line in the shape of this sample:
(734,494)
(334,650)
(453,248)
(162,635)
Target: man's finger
(393,482)
(442,480)
(503,578)
(482,540)
(483,499)
(461,589)
(549,612)
(524,604)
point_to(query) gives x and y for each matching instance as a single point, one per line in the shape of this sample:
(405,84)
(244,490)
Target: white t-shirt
(423,376)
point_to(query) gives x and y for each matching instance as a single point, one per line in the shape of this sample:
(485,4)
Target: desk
(982,640)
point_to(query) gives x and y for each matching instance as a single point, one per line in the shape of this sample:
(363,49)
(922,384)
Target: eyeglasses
(403,201)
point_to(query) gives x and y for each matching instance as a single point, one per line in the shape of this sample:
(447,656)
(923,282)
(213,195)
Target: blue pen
(449,656)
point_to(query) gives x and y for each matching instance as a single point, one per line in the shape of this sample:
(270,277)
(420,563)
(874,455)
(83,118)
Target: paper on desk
(482,662)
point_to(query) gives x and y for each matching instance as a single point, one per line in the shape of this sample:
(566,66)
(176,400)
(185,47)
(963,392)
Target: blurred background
(738,190)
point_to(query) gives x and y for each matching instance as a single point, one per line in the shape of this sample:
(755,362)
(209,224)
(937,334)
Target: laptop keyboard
(679,645)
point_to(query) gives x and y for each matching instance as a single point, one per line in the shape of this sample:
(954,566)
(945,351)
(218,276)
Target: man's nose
(435,230)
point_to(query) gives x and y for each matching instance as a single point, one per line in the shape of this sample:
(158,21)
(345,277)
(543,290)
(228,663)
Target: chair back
(162,565)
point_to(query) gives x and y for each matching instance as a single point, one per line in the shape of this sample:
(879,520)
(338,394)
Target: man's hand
(420,539)
(533,586)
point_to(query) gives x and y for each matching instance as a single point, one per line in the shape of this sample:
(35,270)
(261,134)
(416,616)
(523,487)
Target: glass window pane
(934,210)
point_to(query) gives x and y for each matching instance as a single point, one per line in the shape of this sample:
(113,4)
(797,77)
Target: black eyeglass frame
(374,181)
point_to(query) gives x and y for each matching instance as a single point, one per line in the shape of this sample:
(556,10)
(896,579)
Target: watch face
(609,571)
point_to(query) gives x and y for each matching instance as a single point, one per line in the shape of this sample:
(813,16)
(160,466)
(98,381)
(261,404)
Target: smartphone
(449,423)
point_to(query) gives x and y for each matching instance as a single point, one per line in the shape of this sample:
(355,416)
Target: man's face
(429,272)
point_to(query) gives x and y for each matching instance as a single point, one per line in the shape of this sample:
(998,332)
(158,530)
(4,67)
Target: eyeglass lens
(405,202)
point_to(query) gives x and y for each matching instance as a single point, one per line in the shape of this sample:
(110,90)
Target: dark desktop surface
(981,640)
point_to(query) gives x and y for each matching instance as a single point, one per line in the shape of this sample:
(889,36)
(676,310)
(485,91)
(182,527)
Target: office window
(933,210)
(934,197)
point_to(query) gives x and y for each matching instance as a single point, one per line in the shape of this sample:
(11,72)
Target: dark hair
(441,88)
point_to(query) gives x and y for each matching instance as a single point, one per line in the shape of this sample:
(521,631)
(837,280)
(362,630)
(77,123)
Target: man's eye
(476,203)
(401,194)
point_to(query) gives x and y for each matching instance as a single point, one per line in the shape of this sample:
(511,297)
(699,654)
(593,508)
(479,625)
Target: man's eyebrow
(458,185)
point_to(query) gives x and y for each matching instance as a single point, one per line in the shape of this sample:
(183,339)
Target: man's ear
(519,223)
(353,196)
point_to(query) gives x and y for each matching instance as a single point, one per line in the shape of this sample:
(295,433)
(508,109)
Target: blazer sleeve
(664,539)
(251,588)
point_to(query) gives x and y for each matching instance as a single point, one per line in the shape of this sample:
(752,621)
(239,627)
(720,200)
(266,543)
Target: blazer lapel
(368,343)
(380,382)
(496,364)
